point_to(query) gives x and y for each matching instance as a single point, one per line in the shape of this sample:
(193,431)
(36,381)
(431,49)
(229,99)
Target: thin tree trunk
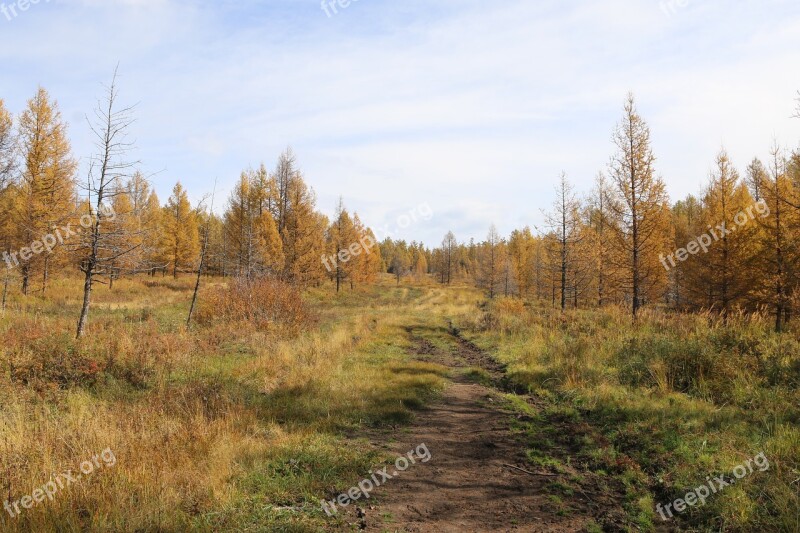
(46,273)
(635,225)
(25,276)
(635,270)
(5,289)
(779,253)
(197,283)
(563,277)
(87,297)
(202,262)
(563,246)
(110,128)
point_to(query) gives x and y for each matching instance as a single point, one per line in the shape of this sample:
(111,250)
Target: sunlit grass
(228,428)
(221,428)
(675,397)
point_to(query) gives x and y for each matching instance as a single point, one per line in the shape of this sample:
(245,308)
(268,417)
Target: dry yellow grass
(191,417)
(230,427)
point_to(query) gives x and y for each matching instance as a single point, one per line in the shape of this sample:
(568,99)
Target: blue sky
(473,108)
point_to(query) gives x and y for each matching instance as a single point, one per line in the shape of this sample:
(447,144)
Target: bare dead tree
(600,219)
(285,174)
(564,228)
(103,246)
(449,245)
(492,253)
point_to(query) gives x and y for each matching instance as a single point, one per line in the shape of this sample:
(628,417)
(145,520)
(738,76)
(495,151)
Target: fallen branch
(529,472)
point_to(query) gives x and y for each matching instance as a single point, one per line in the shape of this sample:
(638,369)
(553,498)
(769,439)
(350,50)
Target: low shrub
(266,303)
(53,361)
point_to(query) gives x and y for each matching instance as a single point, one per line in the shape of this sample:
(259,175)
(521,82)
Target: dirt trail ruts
(470,485)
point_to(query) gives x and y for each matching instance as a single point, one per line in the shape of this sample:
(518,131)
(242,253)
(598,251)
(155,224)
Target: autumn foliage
(266,303)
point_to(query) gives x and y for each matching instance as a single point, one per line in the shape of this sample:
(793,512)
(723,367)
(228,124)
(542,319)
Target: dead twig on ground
(529,472)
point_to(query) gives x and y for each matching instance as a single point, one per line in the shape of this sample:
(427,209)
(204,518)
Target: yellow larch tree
(419,260)
(8,147)
(723,251)
(341,241)
(239,228)
(303,235)
(369,259)
(152,216)
(640,209)
(180,239)
(686,226)
(522,254)
(8,190)
(252,239)
(47,183)
(778,250)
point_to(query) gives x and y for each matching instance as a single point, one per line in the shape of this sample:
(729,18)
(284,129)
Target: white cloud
(474,107)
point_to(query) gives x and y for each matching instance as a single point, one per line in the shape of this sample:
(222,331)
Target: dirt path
(470,484)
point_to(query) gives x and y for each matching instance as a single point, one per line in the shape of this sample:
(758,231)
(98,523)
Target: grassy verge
(224,428)
(663,404)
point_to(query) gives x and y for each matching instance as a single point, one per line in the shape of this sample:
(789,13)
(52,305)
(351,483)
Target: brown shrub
(52,360)
(266,303)
(42,355)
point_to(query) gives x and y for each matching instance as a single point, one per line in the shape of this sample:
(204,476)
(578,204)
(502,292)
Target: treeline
(271,228)
(736,246)
(48,215)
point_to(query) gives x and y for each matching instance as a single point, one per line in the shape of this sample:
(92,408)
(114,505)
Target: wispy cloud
(465,105)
